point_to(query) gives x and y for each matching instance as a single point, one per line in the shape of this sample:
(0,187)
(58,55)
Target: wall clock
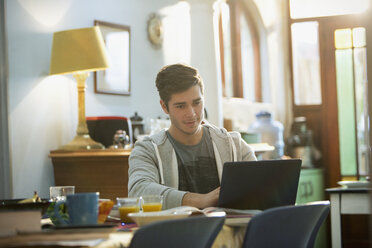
(155,30)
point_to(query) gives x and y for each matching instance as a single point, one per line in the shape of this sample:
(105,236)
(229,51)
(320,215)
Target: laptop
(259,184)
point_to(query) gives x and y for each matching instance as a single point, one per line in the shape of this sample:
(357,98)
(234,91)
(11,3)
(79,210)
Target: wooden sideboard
(104,171)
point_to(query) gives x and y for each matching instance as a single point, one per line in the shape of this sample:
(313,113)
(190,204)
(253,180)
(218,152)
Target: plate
(84,226)
(354,184)
(145,218)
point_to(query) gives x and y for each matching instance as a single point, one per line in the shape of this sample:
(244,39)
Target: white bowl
(354,184)
(145,218)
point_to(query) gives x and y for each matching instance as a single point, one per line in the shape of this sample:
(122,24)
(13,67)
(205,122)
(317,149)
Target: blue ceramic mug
(82,209)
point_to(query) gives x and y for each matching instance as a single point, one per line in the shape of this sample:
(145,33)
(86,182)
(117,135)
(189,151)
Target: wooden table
(346,201)
(228,237)
(104,171)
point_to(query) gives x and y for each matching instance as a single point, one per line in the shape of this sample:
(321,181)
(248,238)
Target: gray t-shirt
(197,170)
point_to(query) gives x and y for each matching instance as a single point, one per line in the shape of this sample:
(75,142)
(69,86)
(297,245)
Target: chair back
(195,232)
(287,226)
(103,128)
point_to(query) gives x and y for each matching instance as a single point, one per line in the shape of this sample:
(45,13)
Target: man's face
(185,111)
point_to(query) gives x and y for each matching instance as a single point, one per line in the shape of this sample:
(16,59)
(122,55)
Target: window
(351,70)
(329,79)
(318,8)
(239,51)
(306,63)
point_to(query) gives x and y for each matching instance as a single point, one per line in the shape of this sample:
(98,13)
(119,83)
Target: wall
(5,180)
(43,109)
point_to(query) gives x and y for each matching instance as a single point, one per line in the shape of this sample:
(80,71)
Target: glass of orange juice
(126,206)
(104,209)
(151,203)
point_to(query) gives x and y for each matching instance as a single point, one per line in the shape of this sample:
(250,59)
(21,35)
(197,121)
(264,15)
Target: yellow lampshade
(78,50)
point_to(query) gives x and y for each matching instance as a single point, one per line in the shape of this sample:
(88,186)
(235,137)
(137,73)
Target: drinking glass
(59,193)
(104,209)
(126,206)
(152,203)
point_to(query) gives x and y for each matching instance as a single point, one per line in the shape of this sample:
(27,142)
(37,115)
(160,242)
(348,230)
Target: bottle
(137,126)
(271,132)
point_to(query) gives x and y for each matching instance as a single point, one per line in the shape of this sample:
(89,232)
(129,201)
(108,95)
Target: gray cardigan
(153,168)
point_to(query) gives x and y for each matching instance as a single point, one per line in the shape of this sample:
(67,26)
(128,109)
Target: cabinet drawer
(310,186)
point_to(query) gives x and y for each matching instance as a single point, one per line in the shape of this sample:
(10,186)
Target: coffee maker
(300,143)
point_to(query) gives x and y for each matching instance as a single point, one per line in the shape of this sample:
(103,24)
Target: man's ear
(164,107)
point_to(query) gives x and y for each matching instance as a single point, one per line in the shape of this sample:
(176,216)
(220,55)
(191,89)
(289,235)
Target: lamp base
(82,142)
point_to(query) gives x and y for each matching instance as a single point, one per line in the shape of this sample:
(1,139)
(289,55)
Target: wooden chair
(287,226)
(195,232)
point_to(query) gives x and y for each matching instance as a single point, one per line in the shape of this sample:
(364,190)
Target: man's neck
(186,139)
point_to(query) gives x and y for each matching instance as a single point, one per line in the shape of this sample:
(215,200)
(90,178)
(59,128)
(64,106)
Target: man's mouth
(190,123)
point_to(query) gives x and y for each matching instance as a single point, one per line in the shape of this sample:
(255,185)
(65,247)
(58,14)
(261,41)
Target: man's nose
(190,111)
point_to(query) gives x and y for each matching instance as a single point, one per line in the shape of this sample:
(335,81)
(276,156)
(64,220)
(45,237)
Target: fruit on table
(35,198)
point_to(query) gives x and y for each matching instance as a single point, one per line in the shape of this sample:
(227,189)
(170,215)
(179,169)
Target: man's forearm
(201,200)
(193,199)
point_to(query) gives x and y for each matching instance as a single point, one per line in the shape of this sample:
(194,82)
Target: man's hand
(201,200)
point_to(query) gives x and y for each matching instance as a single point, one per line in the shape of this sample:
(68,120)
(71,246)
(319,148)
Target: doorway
(331,92)
(337,111)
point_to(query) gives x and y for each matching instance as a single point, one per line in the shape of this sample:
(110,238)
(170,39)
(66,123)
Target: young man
(183,163)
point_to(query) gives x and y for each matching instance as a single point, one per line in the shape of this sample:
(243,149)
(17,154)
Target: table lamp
(78,52)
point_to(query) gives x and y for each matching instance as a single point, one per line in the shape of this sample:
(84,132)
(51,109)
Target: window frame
(323,118)
(237,9)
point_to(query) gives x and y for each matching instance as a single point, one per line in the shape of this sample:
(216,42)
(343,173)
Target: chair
(287,226)
(195,232)
(102,128)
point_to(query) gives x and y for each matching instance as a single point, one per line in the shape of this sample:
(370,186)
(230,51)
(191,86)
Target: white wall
(43,109)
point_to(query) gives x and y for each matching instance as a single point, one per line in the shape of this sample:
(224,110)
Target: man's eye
(197,103)
(180,106)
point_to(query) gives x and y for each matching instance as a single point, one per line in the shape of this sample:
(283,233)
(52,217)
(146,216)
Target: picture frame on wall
(115,80)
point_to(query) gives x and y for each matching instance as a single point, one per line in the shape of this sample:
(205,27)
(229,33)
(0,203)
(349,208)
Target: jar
(271,132)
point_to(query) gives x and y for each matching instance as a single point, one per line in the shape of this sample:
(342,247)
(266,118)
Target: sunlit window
(239,51)
(317,8)
(225,41)
(306,63)
(351,69)
(359,37)
(248,75)
(343,38)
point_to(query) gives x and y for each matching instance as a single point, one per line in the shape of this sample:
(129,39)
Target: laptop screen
(259,184)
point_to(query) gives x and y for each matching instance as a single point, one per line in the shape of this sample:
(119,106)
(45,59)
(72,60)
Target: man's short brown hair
(177,78)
